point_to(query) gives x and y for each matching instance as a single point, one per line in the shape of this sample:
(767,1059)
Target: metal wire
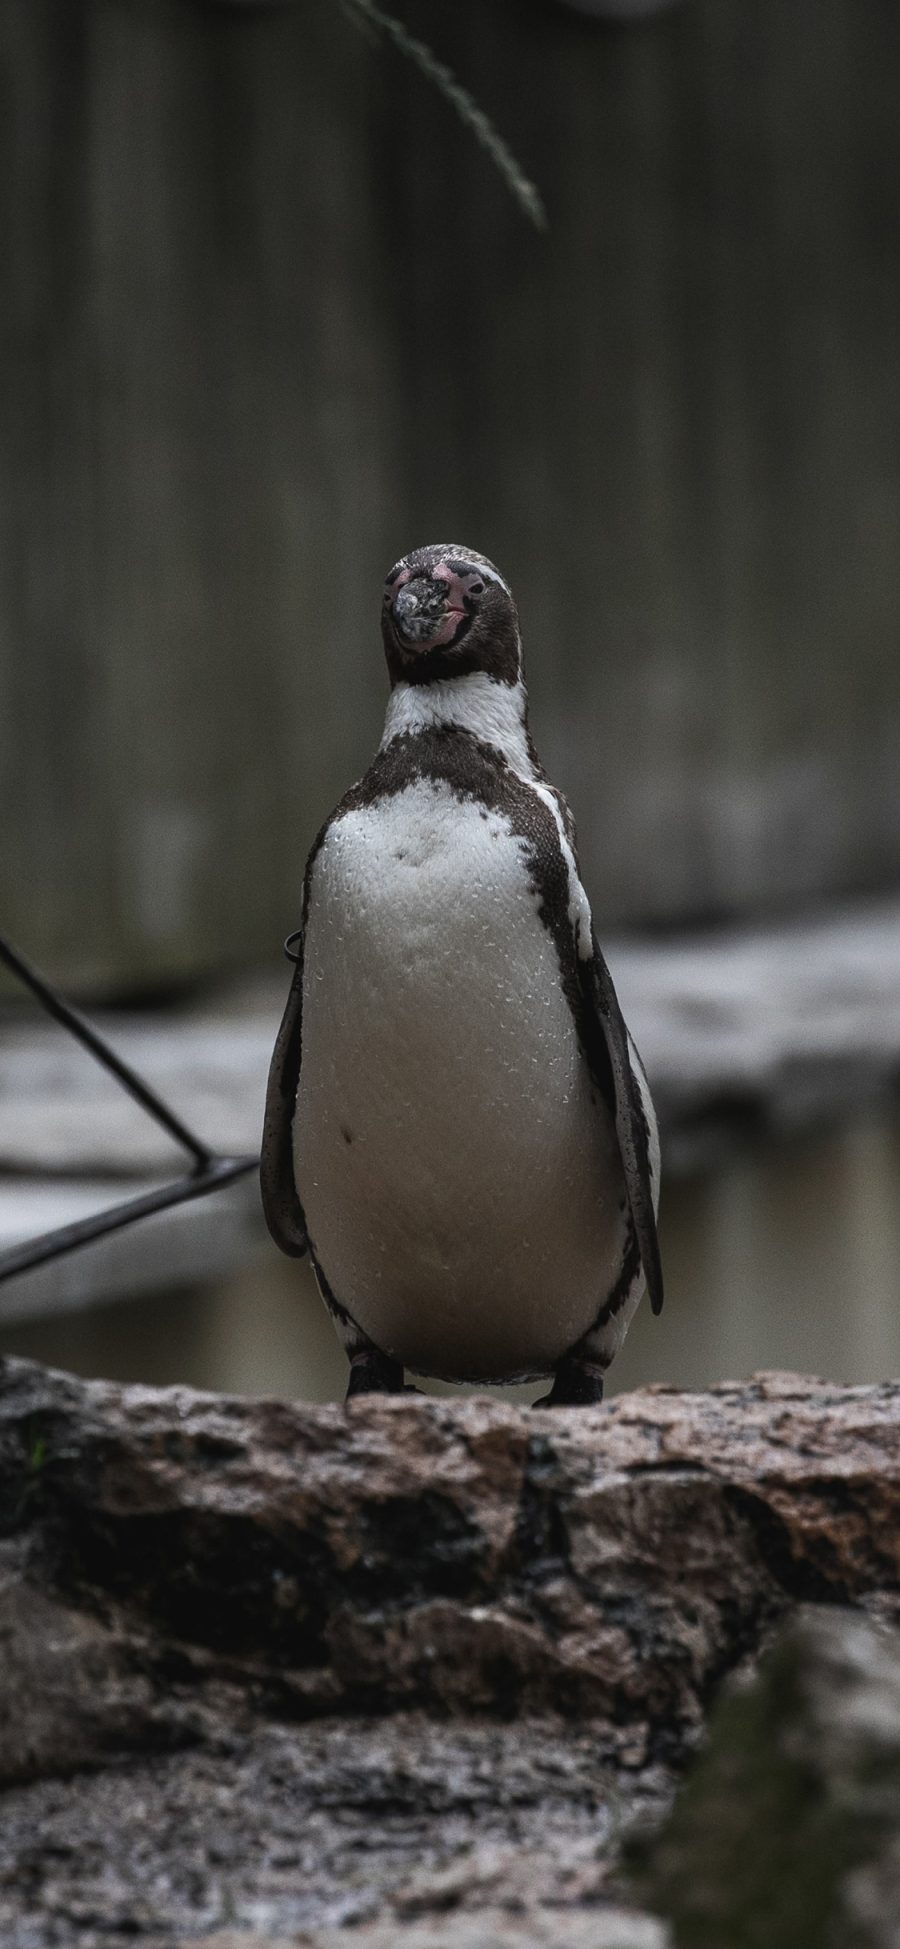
(209,1170)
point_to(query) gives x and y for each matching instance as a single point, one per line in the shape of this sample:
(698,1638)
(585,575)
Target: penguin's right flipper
(281,1205)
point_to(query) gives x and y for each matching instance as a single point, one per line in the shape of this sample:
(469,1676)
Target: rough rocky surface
(787,1835)
(320,1826)
(490,1928)
(277,1669)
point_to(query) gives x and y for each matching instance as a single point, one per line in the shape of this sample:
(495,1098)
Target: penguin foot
(372,1372)
(576,1384)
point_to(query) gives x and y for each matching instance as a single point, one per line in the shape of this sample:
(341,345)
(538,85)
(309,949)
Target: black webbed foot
(576,1384)
(373,1372)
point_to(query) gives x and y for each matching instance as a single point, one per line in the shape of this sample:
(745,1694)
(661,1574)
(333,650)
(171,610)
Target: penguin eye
(476,588)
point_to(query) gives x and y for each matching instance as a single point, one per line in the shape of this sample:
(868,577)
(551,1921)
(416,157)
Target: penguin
(458,1126)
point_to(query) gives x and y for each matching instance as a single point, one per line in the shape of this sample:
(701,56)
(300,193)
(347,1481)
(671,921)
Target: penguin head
(446,612)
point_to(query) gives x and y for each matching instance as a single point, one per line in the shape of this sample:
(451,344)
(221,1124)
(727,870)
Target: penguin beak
(422,615)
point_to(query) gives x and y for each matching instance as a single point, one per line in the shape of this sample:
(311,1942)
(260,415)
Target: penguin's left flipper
(610,1059)
(281,1205)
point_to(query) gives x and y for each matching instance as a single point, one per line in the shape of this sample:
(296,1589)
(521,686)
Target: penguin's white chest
(458,1171)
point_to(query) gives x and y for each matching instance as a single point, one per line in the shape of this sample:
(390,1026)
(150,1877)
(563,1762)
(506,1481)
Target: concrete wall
(269,318)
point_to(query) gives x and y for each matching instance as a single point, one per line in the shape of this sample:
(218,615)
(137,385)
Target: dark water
(789,1259)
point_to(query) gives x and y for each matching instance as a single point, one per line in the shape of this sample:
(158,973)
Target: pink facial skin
(454,611)
(456,602)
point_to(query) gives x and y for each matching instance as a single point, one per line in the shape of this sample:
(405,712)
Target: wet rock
(276,1668)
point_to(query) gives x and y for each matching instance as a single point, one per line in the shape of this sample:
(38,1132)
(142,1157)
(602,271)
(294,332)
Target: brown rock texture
(405,1660)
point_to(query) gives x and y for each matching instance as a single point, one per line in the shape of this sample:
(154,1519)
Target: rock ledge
(318,1665)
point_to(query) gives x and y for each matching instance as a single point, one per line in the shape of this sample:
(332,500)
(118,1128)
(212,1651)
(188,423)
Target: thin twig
(368,13)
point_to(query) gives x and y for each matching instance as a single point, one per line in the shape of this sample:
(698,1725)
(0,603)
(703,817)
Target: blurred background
(271,317)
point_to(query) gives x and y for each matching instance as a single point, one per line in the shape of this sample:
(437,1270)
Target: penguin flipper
(630,1119)
(281,1205)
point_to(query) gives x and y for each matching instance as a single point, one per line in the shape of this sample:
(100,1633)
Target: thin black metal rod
(67,1238)
(101,1050)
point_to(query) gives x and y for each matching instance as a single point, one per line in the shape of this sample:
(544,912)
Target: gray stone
(611,1928)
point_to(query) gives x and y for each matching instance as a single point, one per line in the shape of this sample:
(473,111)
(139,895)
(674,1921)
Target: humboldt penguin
(458,1126)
